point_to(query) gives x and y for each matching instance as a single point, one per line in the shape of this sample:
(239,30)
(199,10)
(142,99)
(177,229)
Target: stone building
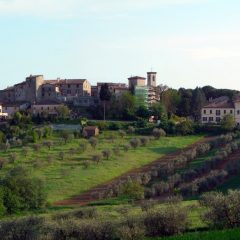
(45,107)
(148,93)
(35,89)
(115,88)
(136,82)
(12,108)
(3,115)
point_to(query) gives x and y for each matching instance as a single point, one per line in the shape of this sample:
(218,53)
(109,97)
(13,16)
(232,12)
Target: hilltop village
(40,95)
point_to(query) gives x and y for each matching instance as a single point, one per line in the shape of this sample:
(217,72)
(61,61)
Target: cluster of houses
(42,96)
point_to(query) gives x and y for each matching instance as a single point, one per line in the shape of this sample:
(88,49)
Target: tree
(63,111)
(198,101)
(158,110)
(2,137)
(106,154)
(2,162)
(228,123)
(97,158)
(135,142)
(171,100)
(22,192)
(105,96)
(222,209)
(66,136)
(142,112)
(132,189)
(157,133)
(184,109)
(93,142)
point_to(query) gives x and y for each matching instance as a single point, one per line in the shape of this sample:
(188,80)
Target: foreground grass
(231,234)
(66,178)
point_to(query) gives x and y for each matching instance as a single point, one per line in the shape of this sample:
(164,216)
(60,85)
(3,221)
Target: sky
(189,43)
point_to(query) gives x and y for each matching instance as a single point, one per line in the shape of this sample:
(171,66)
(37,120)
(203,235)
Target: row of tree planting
(221,211)
(202,178)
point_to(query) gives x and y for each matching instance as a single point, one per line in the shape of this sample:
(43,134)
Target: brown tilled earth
(88,196)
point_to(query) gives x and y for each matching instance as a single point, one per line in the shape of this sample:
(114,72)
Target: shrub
(12,157)
(62,155)
(106,154)
(133,190)
(144,141)
(135,142)
(48,144)
(157,133)
(86,164)
(166,221)
(6,146)
(116,150)
(25,151)
(97,158)
(36,147)
(83,146)
(23,192)
(131,130)
(203,148)
(93,142)
(131,229)
(126,147)
(27,228)
(114,126)
(222,210)
(122,133)
(2,162)
(84,230)
(185,127)
(147,205)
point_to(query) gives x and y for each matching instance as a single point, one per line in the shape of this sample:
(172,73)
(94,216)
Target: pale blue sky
(188,42)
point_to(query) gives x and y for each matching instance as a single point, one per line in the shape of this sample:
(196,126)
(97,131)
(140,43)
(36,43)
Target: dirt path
(88,196)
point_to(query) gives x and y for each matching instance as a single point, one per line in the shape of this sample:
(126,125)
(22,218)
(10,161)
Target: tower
(151,79)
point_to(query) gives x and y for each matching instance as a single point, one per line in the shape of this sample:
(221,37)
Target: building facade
(217,108)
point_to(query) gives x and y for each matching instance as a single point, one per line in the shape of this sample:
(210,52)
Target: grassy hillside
(68,177)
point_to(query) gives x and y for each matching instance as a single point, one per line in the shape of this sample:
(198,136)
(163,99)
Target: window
(77,85)
(210,111)
(69,86)
(218,119)
(231,111)
(218,112)
(225,111)
(204,111)
(238,112)
(204,119)
(41,108)
(210,119)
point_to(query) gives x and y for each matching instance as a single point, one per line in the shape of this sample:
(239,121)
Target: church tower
(152,79)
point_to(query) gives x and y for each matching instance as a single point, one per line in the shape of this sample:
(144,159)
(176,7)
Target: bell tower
(152,79)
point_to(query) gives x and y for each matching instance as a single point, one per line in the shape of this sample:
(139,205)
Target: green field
(231,234)
(68,177)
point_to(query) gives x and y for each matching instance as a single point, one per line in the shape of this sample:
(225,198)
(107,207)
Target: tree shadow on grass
(163,150)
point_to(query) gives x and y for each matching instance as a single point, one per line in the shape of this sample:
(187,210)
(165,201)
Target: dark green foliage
(133,190)
(22,192)
(198,101)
